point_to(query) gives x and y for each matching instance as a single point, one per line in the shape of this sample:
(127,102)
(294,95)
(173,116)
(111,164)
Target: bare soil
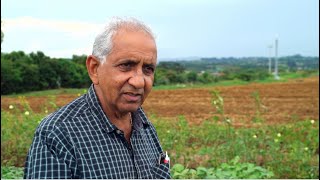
(281,102)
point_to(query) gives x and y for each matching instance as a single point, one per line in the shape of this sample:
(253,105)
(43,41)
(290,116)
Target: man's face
(126,77)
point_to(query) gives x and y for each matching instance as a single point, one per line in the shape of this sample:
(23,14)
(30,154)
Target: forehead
(134,43)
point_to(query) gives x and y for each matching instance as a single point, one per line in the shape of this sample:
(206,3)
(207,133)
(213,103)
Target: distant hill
(191,58)
(212,64)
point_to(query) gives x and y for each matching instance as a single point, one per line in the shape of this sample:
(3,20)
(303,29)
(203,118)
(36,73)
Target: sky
(183,28)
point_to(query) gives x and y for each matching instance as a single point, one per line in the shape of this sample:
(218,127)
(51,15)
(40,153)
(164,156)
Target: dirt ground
(282,102)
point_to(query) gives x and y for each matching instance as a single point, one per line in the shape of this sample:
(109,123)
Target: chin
(131,108)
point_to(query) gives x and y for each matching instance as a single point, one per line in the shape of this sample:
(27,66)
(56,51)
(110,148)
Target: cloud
(66,52)
(72,28)
(53,37)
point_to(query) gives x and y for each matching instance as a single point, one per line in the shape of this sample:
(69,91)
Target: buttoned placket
(129,147)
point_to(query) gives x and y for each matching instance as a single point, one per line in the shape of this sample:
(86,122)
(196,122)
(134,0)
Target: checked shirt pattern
(79,142)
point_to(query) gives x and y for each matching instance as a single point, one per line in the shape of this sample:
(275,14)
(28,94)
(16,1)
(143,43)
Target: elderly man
(105,133)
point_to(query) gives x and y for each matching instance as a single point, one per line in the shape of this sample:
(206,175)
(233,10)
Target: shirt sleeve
(49,156)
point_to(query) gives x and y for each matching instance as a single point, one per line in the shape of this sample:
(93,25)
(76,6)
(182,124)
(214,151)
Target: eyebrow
(134,61)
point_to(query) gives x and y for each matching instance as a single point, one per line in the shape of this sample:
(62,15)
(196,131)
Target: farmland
(282,102)
(273,125)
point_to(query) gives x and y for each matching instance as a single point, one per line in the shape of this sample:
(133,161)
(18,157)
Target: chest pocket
(161,171)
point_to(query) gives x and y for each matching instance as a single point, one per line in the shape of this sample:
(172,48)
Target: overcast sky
(184,28)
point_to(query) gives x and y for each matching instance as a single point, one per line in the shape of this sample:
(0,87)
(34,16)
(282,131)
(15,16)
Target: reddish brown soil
(283,102)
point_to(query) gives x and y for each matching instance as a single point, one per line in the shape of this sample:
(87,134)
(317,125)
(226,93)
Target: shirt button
(118,131)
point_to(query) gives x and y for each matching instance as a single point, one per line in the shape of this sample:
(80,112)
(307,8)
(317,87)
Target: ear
(92,64)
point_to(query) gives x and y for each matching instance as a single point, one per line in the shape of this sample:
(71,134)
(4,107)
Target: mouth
(132,97)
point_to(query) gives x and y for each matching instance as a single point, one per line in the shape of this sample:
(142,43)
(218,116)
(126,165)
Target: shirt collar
(139,118)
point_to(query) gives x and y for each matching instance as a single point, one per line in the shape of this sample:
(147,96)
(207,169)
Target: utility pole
(276,60)
(270,54)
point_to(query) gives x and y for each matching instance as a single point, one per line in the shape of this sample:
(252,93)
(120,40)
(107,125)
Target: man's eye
(149,70)
(125,66)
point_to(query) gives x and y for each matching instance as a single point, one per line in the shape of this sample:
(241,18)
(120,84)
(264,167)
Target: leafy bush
(232,170)
(11,172)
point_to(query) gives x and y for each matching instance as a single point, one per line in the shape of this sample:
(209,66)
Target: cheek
(148,85)
(120,80)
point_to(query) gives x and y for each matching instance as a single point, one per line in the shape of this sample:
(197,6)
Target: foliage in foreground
(232,170)
(288,150)
(11,172)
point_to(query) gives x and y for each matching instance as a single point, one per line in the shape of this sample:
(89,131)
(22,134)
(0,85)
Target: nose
(137,80)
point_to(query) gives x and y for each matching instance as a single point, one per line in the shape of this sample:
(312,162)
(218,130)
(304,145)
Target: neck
(122,120)
(124,124)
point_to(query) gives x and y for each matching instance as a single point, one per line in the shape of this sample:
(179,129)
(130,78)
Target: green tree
(10,77)
(160,77)
(192,76)
(72,75)
(79,59)
(38,57)
(29,75)
(175,66)
(49,76)
(16,56)
(175,77)
(206,78)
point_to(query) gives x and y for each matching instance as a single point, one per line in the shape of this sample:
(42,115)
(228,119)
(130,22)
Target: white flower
(255,136)
(306,148)
(276,140)
(312,121)
(175,141)
(79,94)
(26,113)
(11,107)
(279,135)
(168,131)
(228,120)
(46,111)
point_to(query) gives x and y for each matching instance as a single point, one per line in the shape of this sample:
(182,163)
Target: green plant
(218,102)
(232,170)
(11,172)
(259,107)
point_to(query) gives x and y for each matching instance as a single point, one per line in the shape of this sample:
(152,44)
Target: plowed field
(282,102)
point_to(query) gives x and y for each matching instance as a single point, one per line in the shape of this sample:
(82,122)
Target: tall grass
(289,151)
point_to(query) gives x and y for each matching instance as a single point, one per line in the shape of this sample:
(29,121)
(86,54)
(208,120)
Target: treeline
(176,72)
(291,63)
(207,70)
(22,72)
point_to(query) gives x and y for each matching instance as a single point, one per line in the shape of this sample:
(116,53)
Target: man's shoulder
(65,114)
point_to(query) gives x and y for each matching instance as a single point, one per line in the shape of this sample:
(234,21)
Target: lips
(132,97)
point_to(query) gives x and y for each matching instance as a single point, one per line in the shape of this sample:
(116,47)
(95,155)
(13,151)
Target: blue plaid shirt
(78,141)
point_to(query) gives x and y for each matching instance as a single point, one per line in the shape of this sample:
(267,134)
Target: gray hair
(103,44)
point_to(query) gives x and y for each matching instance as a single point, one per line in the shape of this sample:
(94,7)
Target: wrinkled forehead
(135,28)
(136,39)
(135,45)
(125,30)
